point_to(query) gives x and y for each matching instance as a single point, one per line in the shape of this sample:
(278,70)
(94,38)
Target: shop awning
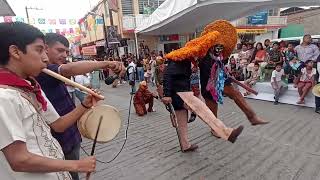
(5,9)
(89,50)
(185,16)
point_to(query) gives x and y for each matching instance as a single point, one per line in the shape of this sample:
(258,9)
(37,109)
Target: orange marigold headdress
(218,32)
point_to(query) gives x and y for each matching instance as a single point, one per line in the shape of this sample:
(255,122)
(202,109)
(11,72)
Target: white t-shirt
(130,69)
(277,75)
(305,76)
(83,80)
(19,121)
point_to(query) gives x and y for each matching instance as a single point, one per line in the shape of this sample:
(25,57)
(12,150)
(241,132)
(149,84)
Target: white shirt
(130,69)
(70,88)
(305,76)
(19,121)
(83,80)
(277,75)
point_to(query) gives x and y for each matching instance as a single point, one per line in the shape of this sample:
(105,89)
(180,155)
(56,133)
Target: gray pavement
(287,149)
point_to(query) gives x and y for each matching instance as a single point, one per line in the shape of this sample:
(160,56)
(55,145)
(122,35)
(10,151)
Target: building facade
(300,22)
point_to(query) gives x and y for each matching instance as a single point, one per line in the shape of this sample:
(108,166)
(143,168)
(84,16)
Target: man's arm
(316,53)
(21,160)
(64,122)
(83,67)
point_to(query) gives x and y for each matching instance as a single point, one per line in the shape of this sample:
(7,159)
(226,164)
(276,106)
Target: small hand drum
(316,90)
(110,124)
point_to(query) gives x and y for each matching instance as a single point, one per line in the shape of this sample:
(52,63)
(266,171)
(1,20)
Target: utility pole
(27,12)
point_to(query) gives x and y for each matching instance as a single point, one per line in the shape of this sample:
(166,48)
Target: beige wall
(309,19)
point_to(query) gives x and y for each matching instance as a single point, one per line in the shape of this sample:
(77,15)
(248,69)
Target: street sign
(259,18)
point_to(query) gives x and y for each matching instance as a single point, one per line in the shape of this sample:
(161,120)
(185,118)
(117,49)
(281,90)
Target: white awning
(5,9)
(185,16)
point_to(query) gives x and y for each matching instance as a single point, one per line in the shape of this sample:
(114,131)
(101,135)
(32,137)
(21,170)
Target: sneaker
(276,102)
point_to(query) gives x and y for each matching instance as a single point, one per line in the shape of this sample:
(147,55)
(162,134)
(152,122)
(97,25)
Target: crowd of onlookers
(278,62)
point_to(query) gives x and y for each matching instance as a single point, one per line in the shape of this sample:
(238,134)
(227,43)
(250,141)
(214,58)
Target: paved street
(288,148)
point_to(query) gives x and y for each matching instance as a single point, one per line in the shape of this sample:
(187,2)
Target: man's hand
(85,165)
(166,100)
(91,100)
(117,67)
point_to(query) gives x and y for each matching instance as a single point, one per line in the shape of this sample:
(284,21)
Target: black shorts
(177,102)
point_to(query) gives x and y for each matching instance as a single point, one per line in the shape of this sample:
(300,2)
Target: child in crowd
(234,68)
(255,76)
(306,80)
(276,82)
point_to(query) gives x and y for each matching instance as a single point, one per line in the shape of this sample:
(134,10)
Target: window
(154,4)
(127,7)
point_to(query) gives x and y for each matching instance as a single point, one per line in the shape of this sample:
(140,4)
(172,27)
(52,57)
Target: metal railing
(130,22)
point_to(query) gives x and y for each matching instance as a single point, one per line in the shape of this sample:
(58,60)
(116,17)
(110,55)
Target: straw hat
(218,32)
(316,90)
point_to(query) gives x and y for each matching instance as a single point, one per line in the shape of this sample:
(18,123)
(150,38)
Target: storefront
(167,43)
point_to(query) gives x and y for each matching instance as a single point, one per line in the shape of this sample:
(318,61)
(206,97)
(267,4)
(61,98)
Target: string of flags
(85,24)
(97,20)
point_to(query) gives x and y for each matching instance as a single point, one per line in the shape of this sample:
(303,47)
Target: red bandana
(11,79)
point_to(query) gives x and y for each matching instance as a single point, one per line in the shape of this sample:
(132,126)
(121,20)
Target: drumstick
(74,84)
(94,143)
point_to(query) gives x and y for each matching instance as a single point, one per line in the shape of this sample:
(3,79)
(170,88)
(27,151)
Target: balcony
(130,22)
(273,21)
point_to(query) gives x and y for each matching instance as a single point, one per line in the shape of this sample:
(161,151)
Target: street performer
(143,97)
(177,89)
(214,77)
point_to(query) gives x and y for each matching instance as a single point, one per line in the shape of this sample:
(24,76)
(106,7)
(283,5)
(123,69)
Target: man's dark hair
(52,38)
(18,34)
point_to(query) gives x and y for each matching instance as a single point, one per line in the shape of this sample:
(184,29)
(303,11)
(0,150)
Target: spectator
(132,72)
(267,45)
(153,64)
(85,81)
(276,82)
(275,56)
(251,48)
(253,78)
(283,46)
(140,70)
(259,56)
(234,68)
(244,57)
(291,63)
(307,80)
(307,51)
